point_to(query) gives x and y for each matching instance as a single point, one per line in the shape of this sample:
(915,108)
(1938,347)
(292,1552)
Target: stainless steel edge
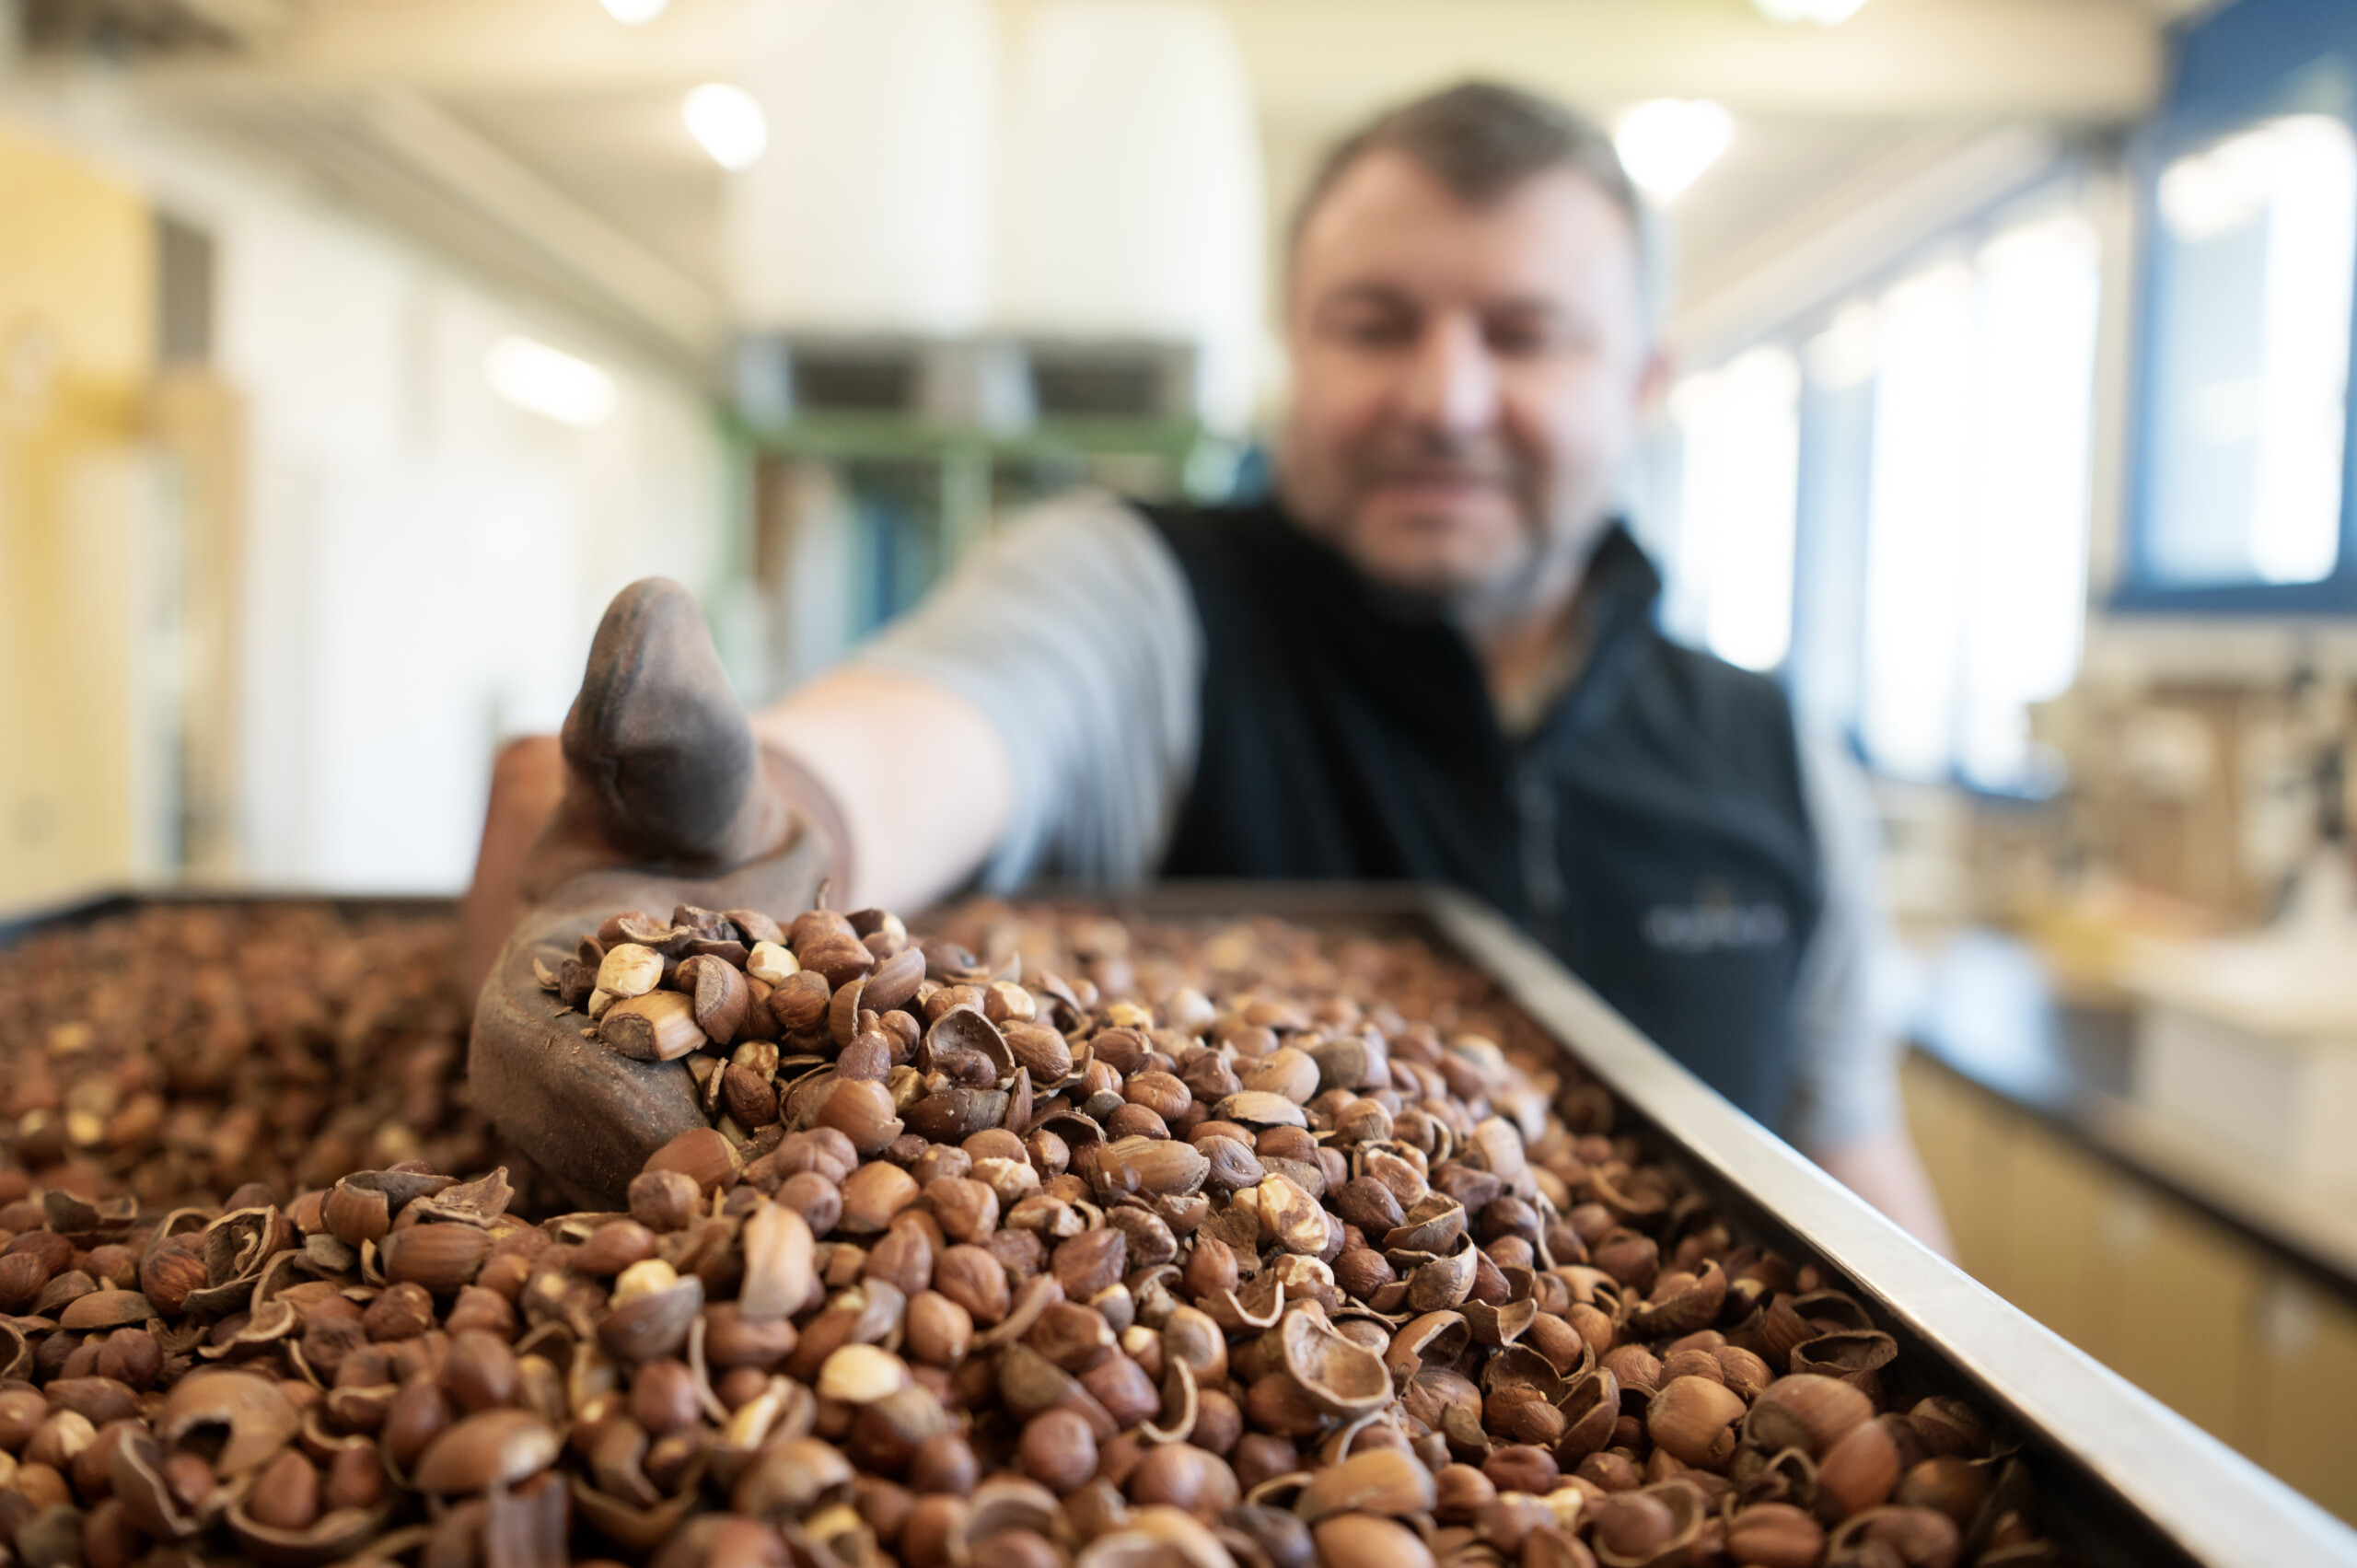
(2216,1504)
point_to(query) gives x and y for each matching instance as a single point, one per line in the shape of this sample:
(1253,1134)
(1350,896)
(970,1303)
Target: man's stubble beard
(1537,581)
(1540,582)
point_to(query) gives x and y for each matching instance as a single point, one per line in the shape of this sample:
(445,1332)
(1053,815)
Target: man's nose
(1452,382)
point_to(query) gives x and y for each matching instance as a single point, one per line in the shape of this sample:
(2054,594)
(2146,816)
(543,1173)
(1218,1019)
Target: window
(1739,434)
(1976,526)
(1892,510)
(2026,606)
(2245,417)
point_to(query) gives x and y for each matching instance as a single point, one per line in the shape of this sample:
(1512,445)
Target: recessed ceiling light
(635,13)
(728,124)
(1824,13)
(550,382)
(1665,145)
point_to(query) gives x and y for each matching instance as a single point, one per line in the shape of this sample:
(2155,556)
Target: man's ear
(1654,382)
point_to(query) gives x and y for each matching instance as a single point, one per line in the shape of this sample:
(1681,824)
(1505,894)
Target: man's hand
(656,795)
(526,782)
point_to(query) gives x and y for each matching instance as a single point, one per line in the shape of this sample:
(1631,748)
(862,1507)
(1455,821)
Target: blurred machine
(2252,1039)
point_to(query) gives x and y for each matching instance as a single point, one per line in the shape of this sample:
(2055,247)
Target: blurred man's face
(1467,379)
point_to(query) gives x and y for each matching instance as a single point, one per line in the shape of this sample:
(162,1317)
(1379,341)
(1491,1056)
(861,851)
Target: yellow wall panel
(2188,1295)
(2307,1380)
(79,259)
(1963,1143)
(2061,1272)
(76,334)
(2181,1306)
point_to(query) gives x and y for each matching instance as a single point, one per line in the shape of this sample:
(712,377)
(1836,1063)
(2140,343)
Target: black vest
(1651,832)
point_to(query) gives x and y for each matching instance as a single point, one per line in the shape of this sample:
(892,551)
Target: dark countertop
(1988,1013)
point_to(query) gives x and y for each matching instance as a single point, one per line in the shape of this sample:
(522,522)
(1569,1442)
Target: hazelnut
(780,1263)
(815,1197)
(1058,1450)
(1185,1476)
(750,1097)
(938,1331)
(356,1478)
(1122,1388)
(966,1208)
(1693,1419)
(1219,1423)
(1163,1167)
(1090,1262)
(663,1398)
(975,1280)
(1520,1468)
(944,1462)
(861,1374)
(172,1273)
(1858,1473)
(1461,1492)
(1806,1411)
(496,1446)
(701,1154)
(629,969)
(1367,1537)
(480,1371)
(287,1497)
(612,1248)
(1775,1535)
(441,1258)
(872,1195)
(1039,1049)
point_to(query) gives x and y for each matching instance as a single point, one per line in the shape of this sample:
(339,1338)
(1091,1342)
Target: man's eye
(1526,335)
(1373,327)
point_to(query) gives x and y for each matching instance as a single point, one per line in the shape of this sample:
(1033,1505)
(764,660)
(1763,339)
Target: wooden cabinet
(2202,1318)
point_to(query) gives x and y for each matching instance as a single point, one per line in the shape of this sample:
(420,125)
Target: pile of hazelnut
(1268,1247)
(180,1050)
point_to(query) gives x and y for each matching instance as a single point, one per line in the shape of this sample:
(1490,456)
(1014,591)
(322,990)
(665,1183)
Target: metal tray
(2119,1478)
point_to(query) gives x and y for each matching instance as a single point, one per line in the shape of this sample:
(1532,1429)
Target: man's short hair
(1482,140)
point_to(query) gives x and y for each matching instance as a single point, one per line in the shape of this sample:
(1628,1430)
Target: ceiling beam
(2069,60)
(1831,242)
(473,46)
(683,309)
(1324,61)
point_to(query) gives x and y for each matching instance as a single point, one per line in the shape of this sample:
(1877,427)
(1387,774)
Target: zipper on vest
(1542,866)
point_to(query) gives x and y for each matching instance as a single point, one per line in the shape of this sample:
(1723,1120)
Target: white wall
(425,564)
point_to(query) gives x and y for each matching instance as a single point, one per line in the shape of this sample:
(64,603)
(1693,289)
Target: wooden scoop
(669,800)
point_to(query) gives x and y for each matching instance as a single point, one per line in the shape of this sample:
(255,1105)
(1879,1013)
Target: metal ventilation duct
(149,27)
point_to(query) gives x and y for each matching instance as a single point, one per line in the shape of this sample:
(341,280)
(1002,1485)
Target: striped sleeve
(1073,631)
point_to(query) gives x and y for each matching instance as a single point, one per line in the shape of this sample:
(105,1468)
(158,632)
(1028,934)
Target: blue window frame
(2242,472)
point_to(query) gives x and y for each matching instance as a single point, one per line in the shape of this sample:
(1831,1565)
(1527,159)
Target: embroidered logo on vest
(1715,922)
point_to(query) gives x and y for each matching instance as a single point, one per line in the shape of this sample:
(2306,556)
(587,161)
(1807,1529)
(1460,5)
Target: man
(1432,657)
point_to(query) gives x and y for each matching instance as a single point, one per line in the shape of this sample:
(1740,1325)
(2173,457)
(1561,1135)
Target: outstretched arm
(918,775)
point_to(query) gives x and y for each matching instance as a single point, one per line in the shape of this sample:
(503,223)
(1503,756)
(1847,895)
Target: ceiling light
(550,382)
(1824,13)
(635,13)
(728,124)
(1665,143)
